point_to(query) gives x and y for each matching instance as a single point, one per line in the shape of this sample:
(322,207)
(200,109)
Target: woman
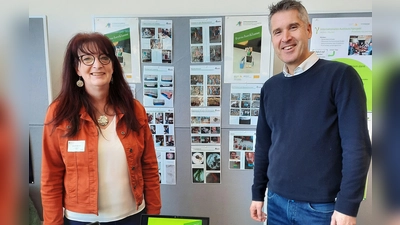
(98,159)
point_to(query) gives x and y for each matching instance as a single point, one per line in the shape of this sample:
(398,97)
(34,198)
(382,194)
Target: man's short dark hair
(285,5)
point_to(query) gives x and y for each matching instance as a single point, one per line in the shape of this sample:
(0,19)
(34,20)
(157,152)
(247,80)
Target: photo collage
(241,150)
(205,126)
(205,86)
(161,123)
(166,165)
(156,41)
(206,40)
(158,86)
(206,164)
(244,103)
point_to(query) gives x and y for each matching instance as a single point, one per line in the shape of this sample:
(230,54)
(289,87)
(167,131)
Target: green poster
(120,35)
(247,35)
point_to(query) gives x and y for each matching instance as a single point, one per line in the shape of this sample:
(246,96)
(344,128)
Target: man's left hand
(342,219)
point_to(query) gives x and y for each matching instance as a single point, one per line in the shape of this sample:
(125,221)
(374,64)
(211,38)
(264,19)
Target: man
(313,149)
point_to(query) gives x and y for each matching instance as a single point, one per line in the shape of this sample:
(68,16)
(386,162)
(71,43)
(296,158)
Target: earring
(112,80)
(79,83)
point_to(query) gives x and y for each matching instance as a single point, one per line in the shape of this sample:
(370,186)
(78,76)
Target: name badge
(76,146)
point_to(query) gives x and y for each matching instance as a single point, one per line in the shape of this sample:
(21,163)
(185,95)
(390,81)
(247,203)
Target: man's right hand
(256,212)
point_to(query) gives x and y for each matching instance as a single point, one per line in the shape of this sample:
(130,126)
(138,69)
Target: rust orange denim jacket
(70,179)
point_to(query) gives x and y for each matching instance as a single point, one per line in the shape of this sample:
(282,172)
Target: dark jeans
(130,220)
(283,211)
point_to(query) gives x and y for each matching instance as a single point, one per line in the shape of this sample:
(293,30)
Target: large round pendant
(102,120)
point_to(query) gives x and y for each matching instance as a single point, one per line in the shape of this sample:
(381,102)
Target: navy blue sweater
(312,137)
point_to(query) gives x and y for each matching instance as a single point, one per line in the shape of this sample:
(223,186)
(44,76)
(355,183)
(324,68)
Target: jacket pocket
(76,180)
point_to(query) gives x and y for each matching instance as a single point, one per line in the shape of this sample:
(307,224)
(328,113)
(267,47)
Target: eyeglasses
(88,60)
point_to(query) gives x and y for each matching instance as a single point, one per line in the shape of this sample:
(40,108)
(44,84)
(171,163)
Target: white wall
(65,18)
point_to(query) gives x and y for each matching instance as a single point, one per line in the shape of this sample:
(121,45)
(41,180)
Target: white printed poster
(347,40)
(247,49)
(206,164)
(161,123)
(244,104)
(158,86)
(206,40)
(133,89)
(241,149)
(166,158)
(205,124)
(124,33)
(156,41)
(205,86)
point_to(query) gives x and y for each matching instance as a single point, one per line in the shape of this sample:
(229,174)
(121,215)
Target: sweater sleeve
(263,143)
(350,100)
(53,169)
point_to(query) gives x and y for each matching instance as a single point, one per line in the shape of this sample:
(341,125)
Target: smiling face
(290,36)
(97,75)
